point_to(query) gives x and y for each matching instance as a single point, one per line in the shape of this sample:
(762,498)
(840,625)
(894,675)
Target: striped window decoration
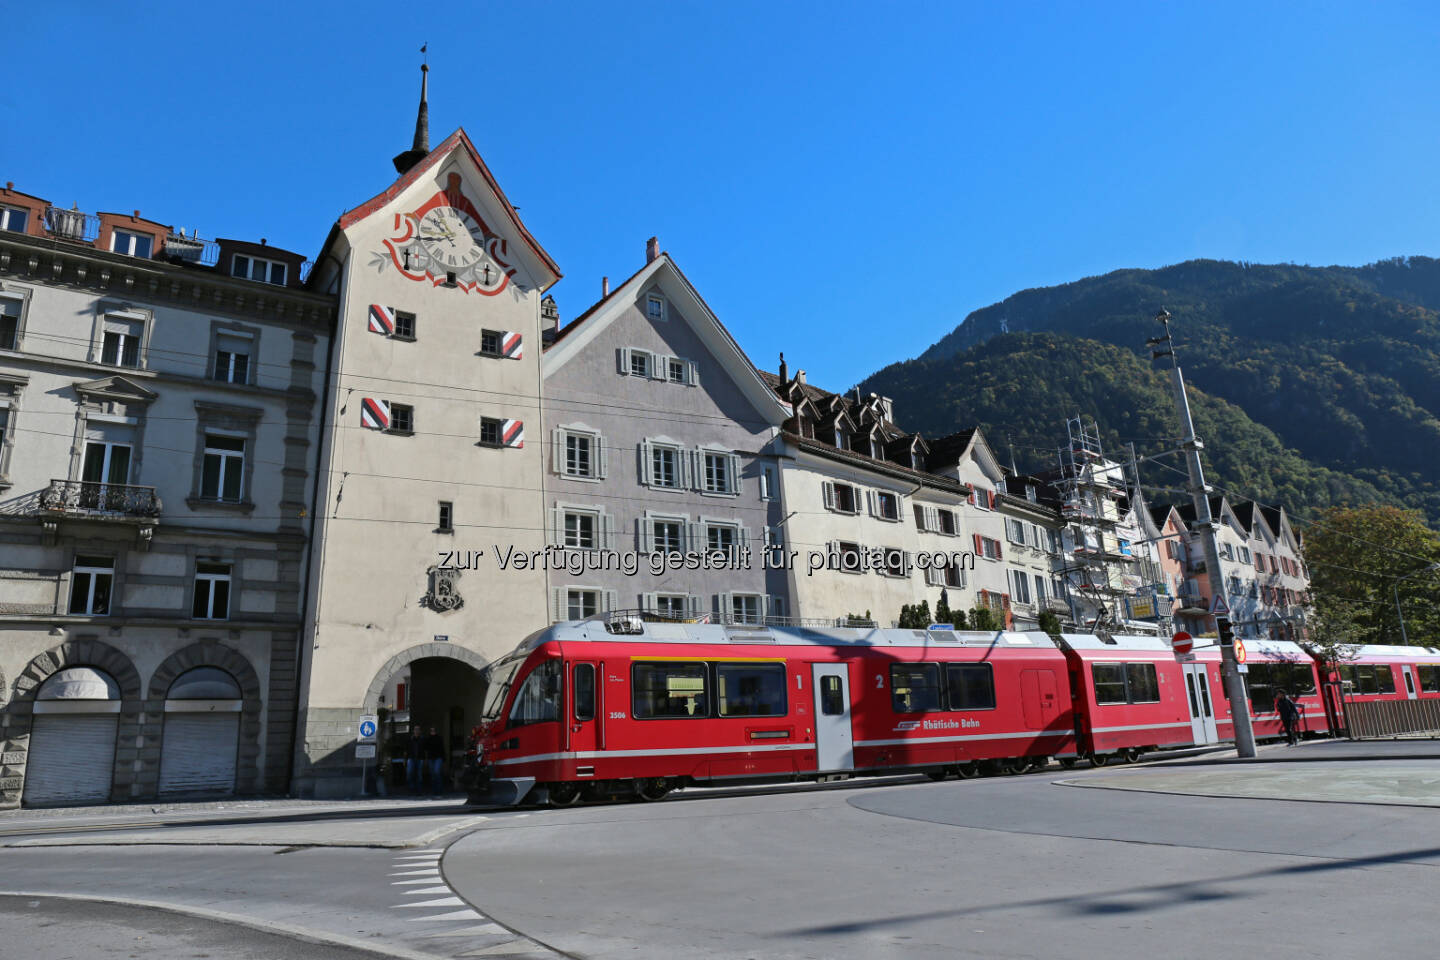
(382,319)
(375,414)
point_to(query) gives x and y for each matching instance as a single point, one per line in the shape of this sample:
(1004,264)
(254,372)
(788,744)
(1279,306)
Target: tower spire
(420,147)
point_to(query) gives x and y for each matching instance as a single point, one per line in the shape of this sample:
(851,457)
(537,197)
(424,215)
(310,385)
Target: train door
(583,733)
(1197,695)
(834,741)
(1037,698)
(1409,682)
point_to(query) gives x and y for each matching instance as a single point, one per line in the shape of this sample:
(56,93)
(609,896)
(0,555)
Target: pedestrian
(1289,716)
(435,758)
(414,749)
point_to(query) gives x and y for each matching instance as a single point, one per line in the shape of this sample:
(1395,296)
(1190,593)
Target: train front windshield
(498,677)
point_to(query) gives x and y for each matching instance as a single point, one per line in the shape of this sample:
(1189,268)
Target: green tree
(942,608)
(1360,559)
(1050,623)
(957,619)
(983,619)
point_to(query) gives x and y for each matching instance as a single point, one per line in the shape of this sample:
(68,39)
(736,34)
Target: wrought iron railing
(71,224)
(83,497)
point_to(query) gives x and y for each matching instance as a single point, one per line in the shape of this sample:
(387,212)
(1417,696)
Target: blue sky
(842,181)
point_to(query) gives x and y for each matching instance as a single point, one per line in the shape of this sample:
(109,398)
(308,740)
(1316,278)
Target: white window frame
(739,535)
(648,363)
(730,599)
(832,502)
(877,497)
(1010,530)
(731,472)
(579,516)
(599,457)
(210,579)
(906,563)
(681,524)
(131,236)
(1019,586)
(574,593)
(224,457)
(769,481)
(651,446)
(655,307)
(93,571)
(5,212)
(251,261)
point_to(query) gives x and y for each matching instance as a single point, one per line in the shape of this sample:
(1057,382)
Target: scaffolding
(1095,559)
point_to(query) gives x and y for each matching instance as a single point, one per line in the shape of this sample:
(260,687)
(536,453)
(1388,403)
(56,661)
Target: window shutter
(659,367)
(622,361)
(558,608)
(692,605)
(999,551)
(931,577)
(692,372)
(601,458)
(647,602)
(742,539)
(828,490)
(919,517)
(726,607)
(979,546)
(697,467)
(991,495)
(1005,605)
(647,462)
(734,460)
(695,536)
(557,526)
(557,450)
(872,505)
(775,606)
(643,534)
(607,531)
(612,600)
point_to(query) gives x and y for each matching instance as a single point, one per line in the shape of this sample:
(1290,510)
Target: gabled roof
(947,450)
(664,274)
(458,140)
(116,387)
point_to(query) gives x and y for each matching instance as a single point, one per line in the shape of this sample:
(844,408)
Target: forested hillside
(1332,374)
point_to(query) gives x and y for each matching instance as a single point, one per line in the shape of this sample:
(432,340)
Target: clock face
(451,238)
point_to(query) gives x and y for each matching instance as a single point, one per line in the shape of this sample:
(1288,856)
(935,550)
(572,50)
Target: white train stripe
(1141,726)
(680,752)
(1022,735)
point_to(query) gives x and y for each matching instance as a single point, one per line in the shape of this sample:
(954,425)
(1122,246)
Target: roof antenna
(420,147)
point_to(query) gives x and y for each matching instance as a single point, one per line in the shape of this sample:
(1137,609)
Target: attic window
(1030,492)
(254,268)
(654,307)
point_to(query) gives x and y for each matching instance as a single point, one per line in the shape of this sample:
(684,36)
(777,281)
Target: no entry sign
(1182,642)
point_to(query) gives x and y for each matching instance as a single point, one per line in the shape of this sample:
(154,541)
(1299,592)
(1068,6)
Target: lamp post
(1404,640)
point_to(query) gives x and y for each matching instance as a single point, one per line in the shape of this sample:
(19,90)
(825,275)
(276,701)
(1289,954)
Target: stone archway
(210,653)
(16,717)
(419,652)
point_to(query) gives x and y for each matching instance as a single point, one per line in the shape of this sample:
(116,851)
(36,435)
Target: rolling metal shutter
(71,759)
(197,753)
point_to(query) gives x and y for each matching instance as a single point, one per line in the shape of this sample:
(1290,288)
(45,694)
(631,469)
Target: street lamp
(1430,569)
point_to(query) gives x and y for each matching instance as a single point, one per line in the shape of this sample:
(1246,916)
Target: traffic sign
(369,723)
(1182,643)
(1239,650)
(1219,607)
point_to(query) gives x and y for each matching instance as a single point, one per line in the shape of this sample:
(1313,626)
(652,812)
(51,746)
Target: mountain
(1311,385)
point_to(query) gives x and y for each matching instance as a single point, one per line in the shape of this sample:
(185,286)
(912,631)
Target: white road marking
(423,904)
(452,915)
(408,883)
(482,929)
(431,872)
(429,890)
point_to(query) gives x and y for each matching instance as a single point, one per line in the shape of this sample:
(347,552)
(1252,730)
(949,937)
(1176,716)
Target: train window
(750,689)
(1109,679)
(1144,687)
(971,686)
(669,690)
(1367,679)
(1385,678)
(915,687)
(1430,678)
(539,698)
(1260,687)
(584,691)
(832,696)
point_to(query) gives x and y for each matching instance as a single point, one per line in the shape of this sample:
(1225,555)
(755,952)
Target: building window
(841,497)
(952,575)
(654,307)
(671,605)
(212,591)
(491,432)
(722,537)
(721,473)
(580,530)
(768,489)
(132,244)
(446,523)
(14,219)
(894,562)
(947,523)
(676,368)
(90,585)
(402,419)
(745,608)
(404,326)
(232,357)
(490,343)
(581,603)
(849,552)
(667,535)
(1014,531)
(223,468)
(662,463)
(1040,588)
(987,547)
(887,505)
(640,363)
(1020,586)
(263,271)
(121,344)
(9,322)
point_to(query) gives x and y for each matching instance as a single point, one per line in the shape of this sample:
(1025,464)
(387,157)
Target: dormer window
(14,219)
(259,270)
(132,244)
(1030,492)
(654,307)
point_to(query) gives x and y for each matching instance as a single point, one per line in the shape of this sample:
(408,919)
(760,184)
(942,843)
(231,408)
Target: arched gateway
(429,686)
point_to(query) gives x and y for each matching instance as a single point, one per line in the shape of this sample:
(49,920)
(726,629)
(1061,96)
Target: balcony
(1054,605)
(72,225)
(101,501)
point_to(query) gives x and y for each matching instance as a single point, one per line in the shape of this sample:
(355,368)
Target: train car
(1275,665)
(1130,696)
(622,705)
(1376,672)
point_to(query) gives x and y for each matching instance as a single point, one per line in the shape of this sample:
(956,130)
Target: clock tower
(425,472)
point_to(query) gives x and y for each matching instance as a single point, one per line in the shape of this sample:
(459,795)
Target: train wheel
(1099,759)
(937,775)
(651,790)
(563,794)
(1015,765)
(1039,763)
(1069,762)
(1130,755)
(968,771)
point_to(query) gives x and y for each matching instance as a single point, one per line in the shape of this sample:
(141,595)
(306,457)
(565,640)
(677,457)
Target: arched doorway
(72,738)
(443,692)
(201,737)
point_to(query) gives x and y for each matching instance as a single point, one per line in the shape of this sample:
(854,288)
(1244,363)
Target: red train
(622,706)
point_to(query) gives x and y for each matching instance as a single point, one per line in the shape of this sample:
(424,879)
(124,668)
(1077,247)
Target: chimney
(604,287)
(549,320)
(784,370)
(652,249)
